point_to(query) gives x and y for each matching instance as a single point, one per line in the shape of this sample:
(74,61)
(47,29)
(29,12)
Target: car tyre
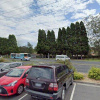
(63,94)
(20,89)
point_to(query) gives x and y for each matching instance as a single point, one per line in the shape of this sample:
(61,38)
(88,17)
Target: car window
(1,65)
(60,71)
(13,65)
(19,64)
(41,73)
(15,72)
(6,66)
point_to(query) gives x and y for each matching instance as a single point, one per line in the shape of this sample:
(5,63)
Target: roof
(24,67)
(49,65)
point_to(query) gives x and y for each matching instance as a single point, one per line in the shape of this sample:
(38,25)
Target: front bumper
(6,91)
(40,95)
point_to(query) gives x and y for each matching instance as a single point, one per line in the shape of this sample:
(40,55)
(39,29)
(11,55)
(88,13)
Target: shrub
(68,63)
(2,59)
(78,76)
(94,73)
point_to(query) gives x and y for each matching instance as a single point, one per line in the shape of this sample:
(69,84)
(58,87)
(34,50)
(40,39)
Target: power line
(37,31)
(26,6)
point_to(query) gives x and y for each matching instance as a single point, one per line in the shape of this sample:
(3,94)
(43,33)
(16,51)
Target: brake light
(27,82)
(53,87)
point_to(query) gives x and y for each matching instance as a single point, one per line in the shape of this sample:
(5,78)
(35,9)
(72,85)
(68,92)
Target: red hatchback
(14,81)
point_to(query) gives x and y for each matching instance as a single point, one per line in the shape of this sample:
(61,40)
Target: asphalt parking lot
(80,65)
(78,91)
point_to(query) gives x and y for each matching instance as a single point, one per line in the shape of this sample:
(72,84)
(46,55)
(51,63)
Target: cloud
(98,1)
(20,17)
(83,13)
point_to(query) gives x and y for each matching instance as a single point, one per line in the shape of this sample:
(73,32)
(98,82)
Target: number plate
(38,84)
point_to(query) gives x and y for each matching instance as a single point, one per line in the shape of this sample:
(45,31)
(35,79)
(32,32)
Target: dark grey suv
(48,81)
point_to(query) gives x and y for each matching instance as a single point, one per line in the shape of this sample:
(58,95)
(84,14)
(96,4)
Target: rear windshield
(41,73)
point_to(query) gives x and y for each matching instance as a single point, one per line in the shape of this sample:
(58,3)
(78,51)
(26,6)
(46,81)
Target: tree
(41,45)
(84,47)
(68,44)
(63,40)
(30,48)
(59,42)
(50,42)
(12,42)
(93,29)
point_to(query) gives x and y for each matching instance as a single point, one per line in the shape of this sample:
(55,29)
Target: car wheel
(20,89)
(63,94)
(71,81)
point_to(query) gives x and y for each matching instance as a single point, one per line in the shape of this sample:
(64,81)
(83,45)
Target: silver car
(6,67)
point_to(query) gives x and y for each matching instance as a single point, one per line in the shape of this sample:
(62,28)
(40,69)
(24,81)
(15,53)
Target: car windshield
(15,72)
(1,65)
(41,73)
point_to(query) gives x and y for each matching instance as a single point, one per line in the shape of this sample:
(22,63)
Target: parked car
(5,67)
(62,57)
(26,58)
(48,81)
(14,81)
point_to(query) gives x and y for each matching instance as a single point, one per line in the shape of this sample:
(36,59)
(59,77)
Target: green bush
(68,63)
(2,60)
(94,73)
(78,76)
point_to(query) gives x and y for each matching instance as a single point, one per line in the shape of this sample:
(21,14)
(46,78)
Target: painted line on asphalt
(23,97)
(71,98)
(88,85)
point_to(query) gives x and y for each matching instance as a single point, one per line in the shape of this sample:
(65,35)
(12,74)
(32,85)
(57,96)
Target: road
(80,65)
(84,66)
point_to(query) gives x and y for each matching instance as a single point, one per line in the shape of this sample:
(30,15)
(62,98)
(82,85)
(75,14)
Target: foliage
(30,48)
(68,63)
(9,45)
(70,41)
(94,24)
(94,73)
(2,60)
(78,76)
(97,46)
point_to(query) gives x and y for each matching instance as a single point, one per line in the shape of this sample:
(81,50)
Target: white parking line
(71,98)
(88,85)
(23,97)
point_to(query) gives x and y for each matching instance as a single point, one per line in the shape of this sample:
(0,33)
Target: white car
(26,58)
(62,57)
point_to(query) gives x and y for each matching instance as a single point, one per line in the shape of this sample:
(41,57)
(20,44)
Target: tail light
(53,87)
(27,82)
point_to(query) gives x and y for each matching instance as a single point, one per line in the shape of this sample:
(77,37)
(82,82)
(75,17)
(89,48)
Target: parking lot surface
(78,91)
(80,65)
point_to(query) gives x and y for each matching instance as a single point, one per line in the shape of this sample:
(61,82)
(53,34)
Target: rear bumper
(40,95)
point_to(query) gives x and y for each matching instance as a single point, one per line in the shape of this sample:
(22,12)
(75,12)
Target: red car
(14,81)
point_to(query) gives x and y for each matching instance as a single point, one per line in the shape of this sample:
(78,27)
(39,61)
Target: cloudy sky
(23,18)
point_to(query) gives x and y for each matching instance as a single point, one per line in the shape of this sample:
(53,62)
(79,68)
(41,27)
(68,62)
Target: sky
(24,18)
